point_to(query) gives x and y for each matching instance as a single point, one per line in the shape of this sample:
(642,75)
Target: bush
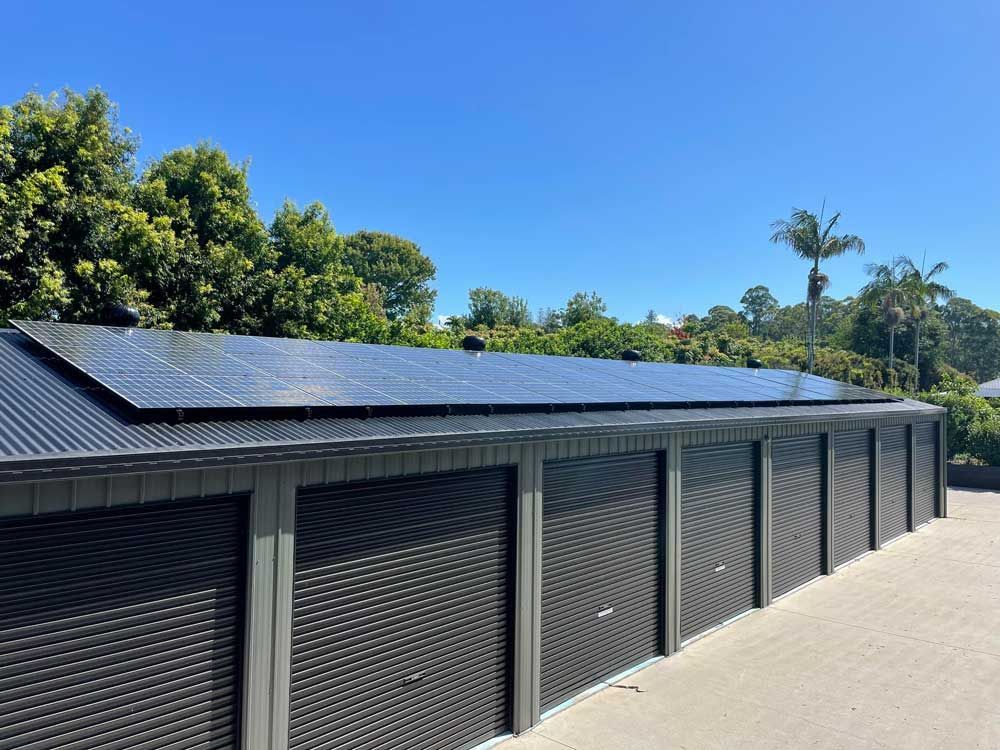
(965,412)
(966,460)
(984,441)
(839,364)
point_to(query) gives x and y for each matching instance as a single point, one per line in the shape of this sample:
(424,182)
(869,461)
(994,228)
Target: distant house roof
(990,389)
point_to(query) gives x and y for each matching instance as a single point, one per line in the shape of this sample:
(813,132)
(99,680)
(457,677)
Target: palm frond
(936,291)
(907,266)
(936,270)
(830,224)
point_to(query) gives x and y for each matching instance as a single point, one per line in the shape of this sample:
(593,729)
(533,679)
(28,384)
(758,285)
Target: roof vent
(474,343)
(121,315)
(754,364)
(631,355)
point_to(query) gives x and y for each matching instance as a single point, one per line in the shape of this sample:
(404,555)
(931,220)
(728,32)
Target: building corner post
(672,546)
(267,645)
(829,538)
(877,481)
(764,542)
(911,494)
(942,504)
(528,599)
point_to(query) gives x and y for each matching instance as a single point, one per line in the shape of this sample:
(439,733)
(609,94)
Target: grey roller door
(853,496)
(798,490)
(928,468)
(602,566)
(401,612)
(895,485)
(719,533)
(122,628)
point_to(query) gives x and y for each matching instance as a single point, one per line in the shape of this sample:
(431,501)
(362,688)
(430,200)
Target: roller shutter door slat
(895,484)
(798,487)
(928,468)
(719,533)
(401,612)
(107,641)
(853,498)
(601,553)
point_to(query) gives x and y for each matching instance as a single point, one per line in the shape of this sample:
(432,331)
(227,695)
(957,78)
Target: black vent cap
(121,315)
(631,355)
(474,343)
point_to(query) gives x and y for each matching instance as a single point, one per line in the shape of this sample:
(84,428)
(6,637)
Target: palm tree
(810,238)
(884,292)
(922,292)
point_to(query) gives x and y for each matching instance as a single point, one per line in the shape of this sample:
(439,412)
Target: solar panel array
(170,370)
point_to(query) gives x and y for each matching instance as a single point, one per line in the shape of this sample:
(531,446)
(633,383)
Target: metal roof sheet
(990,389)
(51,422)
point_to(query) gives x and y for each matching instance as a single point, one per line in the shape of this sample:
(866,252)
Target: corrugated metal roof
(48,421)
(990,389)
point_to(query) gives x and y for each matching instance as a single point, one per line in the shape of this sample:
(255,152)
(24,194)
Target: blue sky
(640,150)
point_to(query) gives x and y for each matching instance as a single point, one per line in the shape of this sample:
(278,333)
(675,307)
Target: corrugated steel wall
(273,488)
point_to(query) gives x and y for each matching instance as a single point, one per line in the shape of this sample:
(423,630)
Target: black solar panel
(155,372)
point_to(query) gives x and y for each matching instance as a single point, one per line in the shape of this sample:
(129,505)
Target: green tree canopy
(583,306)
(491,309)
(397,268)
(921,290)
(215,277)
(306,239)
(973,338)
(66,167)
(809,237)
(759,308)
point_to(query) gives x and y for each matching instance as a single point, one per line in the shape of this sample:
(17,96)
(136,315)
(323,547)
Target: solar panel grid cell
(178,370)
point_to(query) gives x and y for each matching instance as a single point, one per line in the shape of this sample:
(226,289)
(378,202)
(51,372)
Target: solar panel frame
(154,373)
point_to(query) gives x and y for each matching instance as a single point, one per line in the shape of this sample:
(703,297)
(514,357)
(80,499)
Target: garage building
(213,541)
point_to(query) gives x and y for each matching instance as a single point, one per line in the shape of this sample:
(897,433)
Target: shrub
(984,441)
(965,412)
(966,460)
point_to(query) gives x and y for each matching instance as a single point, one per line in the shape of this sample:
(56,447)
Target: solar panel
(157,372)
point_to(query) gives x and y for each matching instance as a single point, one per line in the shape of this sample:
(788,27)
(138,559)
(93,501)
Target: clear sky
(640,150)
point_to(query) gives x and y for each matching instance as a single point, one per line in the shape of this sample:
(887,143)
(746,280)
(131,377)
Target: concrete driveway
(898,650)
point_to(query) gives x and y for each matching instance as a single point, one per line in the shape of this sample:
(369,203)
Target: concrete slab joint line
(848,661)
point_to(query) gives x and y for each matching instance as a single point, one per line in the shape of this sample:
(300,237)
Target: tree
(66,168)
(549,319)
(922,291)
(759,308)
(884,292)
(216,277)
(973,338)
(723,319)
(306,239)
(310,292)
(397,267)
(490,308)
(811,239)
(582,307)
